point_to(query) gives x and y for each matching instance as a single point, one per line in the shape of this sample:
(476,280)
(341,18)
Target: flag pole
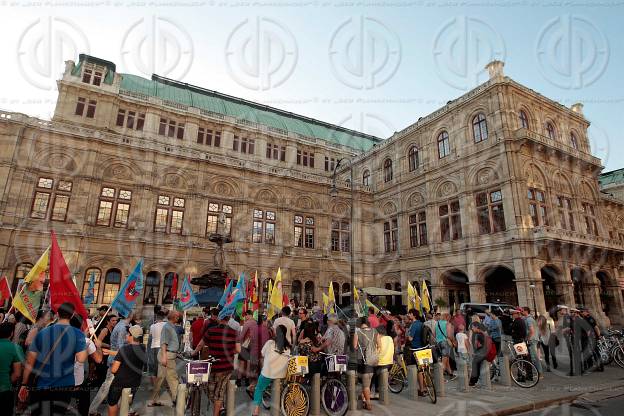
(100,322)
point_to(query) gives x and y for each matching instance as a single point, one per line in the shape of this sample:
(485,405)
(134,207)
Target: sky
(373,66)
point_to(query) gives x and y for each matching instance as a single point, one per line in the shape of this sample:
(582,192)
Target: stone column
(591,294)
(477,292)
(617,315)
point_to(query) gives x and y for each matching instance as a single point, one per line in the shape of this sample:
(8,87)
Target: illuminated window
(45,193)
(114,203)
(169,216)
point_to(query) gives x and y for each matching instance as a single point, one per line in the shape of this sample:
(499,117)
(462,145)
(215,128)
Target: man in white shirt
(154,344)
(291,328)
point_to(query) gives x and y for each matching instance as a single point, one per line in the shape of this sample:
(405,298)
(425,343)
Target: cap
(136,331)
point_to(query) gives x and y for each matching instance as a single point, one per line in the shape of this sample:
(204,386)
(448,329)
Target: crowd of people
(57,363)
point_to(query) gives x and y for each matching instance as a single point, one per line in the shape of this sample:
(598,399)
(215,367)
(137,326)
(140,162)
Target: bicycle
(397,376)
(424,359)
(334,393)
(196,377)
(523,372)
(294,400)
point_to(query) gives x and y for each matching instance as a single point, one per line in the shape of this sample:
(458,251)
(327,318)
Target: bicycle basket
(424,356)
(521,348)
(297,365)
(336,363)
(198,371)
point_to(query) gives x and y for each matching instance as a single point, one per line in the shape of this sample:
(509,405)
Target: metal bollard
(181,399)
(275,397)
(484,377)
(384,396)
(124,406)
(230,399)
(438,379)
(462,375)
(412,380)
(352,378)
(505,374)
(315,406)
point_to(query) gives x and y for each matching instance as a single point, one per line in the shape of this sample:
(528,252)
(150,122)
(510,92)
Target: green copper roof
(609,178)
(185,94)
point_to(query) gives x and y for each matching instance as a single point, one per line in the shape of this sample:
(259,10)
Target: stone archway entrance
(607,297)
(550,277)
(456,284)
(500,285)
(579,280)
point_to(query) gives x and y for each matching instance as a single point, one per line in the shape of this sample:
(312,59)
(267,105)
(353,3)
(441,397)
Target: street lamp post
(532,286)
(333,192)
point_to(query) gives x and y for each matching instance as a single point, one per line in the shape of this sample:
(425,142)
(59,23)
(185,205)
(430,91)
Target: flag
(61,287)
(28,302)
(174,288)
(130,291)
(325,302)
(370,304)
(234,298)
(426,300)
(255,299)
(285,300)
(276,300)
(39,269)
(88,299)
(331,299)
(187,297)
(226,293)
(413,300)
(5,291)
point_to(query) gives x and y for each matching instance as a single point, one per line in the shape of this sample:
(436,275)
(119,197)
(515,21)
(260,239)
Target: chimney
(495,69)
(577,108)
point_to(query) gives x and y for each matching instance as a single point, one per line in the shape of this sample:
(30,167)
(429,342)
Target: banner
(331,306)
(38,270)
(130,291)
(187,297)
(28,303)
(226,293)
(325,302)
(62,288)
(426,300)
(89,297)
(276,299)
(5,291)
(413,300)
(237,296)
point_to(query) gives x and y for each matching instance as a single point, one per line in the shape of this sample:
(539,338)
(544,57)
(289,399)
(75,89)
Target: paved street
(609,403)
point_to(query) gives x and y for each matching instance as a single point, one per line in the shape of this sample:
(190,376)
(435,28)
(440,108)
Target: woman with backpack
(366,341)
(444,343)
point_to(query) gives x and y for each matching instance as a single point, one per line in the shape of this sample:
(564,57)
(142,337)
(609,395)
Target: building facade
(494,197)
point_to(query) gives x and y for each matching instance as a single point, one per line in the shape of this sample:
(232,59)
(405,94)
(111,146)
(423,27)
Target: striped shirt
(221,342)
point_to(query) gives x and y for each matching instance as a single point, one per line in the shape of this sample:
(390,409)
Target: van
(499,309)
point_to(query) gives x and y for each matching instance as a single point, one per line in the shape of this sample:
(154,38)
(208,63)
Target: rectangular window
(140,122)
(59,210)
(86,75)
(537,207)
(45,196)
(121,215)
(235,144)
(340,236)
(172,127)
(104,213)
(212,224)
(263,226)
(161,219)
(121,115)
(111,207)
(40,205)
(566,215)
(169,214)
(418,229)
(589,215)
(97,78)
(176,221)
(180,131)
(304,231)
(80,106)
(91,109)
(130,120)
(391,234)
(217,139)
(450,221)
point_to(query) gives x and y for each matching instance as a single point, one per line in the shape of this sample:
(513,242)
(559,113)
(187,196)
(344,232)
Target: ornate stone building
(493,197)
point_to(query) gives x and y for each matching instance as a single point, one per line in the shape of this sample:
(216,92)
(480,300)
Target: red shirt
(221,341)
(373,321)
(196,331)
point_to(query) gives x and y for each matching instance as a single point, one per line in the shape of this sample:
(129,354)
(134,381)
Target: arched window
(412,157)
(444,147)
(524,120)
(20,272)
(479,128)
(151,289)
(574,141)
(167,286)
(550,129)
(346,288)
(112,284)
(97,274)
(387,168)
(366,178)
(309,293)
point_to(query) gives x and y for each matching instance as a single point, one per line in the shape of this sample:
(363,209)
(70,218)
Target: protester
(386,356)
(197,327)
(444,343)
(169,347)
(275,354)
(303,319)
(592,333)
(373,320)
(333,341)
(50,359)
(463,343)
(42,320)
(11,359)
(285,320)
(103,334)
(494,328)
(21,329)
(247,335)
(127,368)
(458,318)
(366,341)
(155,332)
(546,333)
(518,327)
(532,339)
(479,351)
(102,310)
(310,346)
(81,371)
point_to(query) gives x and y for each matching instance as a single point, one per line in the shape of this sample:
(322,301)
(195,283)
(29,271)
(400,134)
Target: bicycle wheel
(618,356)
(396,379)
(429,385)
(266,398)
(295,400)
(334,397)
(193,401)
(524,373)
(494,371)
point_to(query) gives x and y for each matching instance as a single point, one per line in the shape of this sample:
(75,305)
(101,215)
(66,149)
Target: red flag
(285,300)
(5,292)
(174,287)
(62,288)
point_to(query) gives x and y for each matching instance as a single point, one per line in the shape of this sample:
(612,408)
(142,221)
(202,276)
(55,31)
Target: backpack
(369,354)
(426,336)
(491,353)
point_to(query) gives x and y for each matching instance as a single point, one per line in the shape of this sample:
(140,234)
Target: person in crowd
(386,355)
(566,329)
(118,339)
(275,355)
(51,358)
(222,344)
(248,332)
(414,338)
(43,319)
(317,313)
(213,320)
(197,327)
(463,343)
(546,331)
(169,347)
(366,341)
(233,322)
(285,320)
(333,341)
(310,346)
(303,319)
(458,318)
(518,326)
(592,331)
(103,334)
(101,314)
(11,361)
(494,328)
(443,334)
(127,368)
(373,320)
(431,320)
(82,371)
(155,332)
(479,351)
(532,338)
(21,329)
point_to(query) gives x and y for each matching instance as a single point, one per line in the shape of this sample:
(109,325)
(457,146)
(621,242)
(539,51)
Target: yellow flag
(426,300)
(28,303)
(325,302)
(275,303)
(331,298)
(39,268)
